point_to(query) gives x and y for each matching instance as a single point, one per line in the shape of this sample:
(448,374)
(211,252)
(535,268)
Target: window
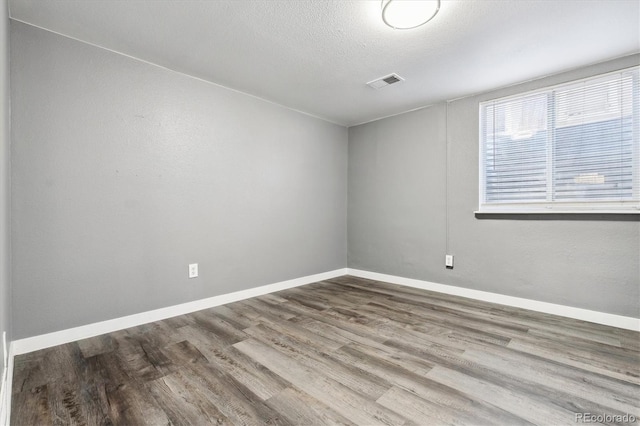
(568,148)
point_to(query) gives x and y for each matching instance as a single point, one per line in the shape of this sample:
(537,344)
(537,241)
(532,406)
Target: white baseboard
(5,392)
(31,344)
(35,343)
(619,321)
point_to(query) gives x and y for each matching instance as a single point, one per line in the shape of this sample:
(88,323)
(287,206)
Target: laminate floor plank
(310,301)
(288,328)
(425,389)
(603,353)
(177,322)
(302,409)
(74,404)
(141,361)
(520,318)
(509,316)
(622,399)
(458,339)
(533,390)
(536,391)
(273,310)
(30,372)
(232,317)
(415,364)
(344,325)
(272,298)
(445,411)
(371,348)
(333,294)
(254,376)
(576,361)
(514,402)
(195,333)
(629,340)
(350,375)
(96,345)
(123,397)
(422,412)
(415,311)
(609,340)
(31,407)
(342,351)
(184,403)
(348,403)
(230,396)
(218,327)
(255,315)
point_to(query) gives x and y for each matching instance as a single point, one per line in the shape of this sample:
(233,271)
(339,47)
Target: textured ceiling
(316,55)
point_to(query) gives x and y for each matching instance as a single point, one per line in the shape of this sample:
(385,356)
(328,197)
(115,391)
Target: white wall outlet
(448,261)
(193,270)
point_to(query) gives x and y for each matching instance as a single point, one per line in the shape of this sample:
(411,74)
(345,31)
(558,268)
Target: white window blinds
(570,147)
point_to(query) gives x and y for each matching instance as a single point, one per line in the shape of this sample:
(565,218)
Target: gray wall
(397,216)
(123,173)
(5,175)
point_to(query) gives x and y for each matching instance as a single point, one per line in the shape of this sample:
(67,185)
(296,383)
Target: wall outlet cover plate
(448,261)
(193,270)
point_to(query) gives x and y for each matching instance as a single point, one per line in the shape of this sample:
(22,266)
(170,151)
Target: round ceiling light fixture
(408,14)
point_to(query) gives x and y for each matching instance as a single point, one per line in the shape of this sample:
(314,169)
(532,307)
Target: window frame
(563,207)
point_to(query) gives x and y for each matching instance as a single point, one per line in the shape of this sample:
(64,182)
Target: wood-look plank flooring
(342,351)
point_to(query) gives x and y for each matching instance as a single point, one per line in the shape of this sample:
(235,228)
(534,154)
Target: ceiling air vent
(381,82)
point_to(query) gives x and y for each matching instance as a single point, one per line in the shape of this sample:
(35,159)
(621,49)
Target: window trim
(629,207)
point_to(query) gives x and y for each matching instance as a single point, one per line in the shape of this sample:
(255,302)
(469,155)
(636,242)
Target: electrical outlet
(448,261)
(193,270)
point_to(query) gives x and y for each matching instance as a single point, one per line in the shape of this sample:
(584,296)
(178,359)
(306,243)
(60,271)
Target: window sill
(550,211)
(615,215)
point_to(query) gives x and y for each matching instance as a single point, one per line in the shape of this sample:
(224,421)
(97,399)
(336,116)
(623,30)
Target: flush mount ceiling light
(408,14)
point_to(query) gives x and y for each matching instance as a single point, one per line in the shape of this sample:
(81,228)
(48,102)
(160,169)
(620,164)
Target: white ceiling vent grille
(381,82)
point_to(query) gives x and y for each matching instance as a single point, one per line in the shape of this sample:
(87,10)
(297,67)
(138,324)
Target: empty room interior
(309,212)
